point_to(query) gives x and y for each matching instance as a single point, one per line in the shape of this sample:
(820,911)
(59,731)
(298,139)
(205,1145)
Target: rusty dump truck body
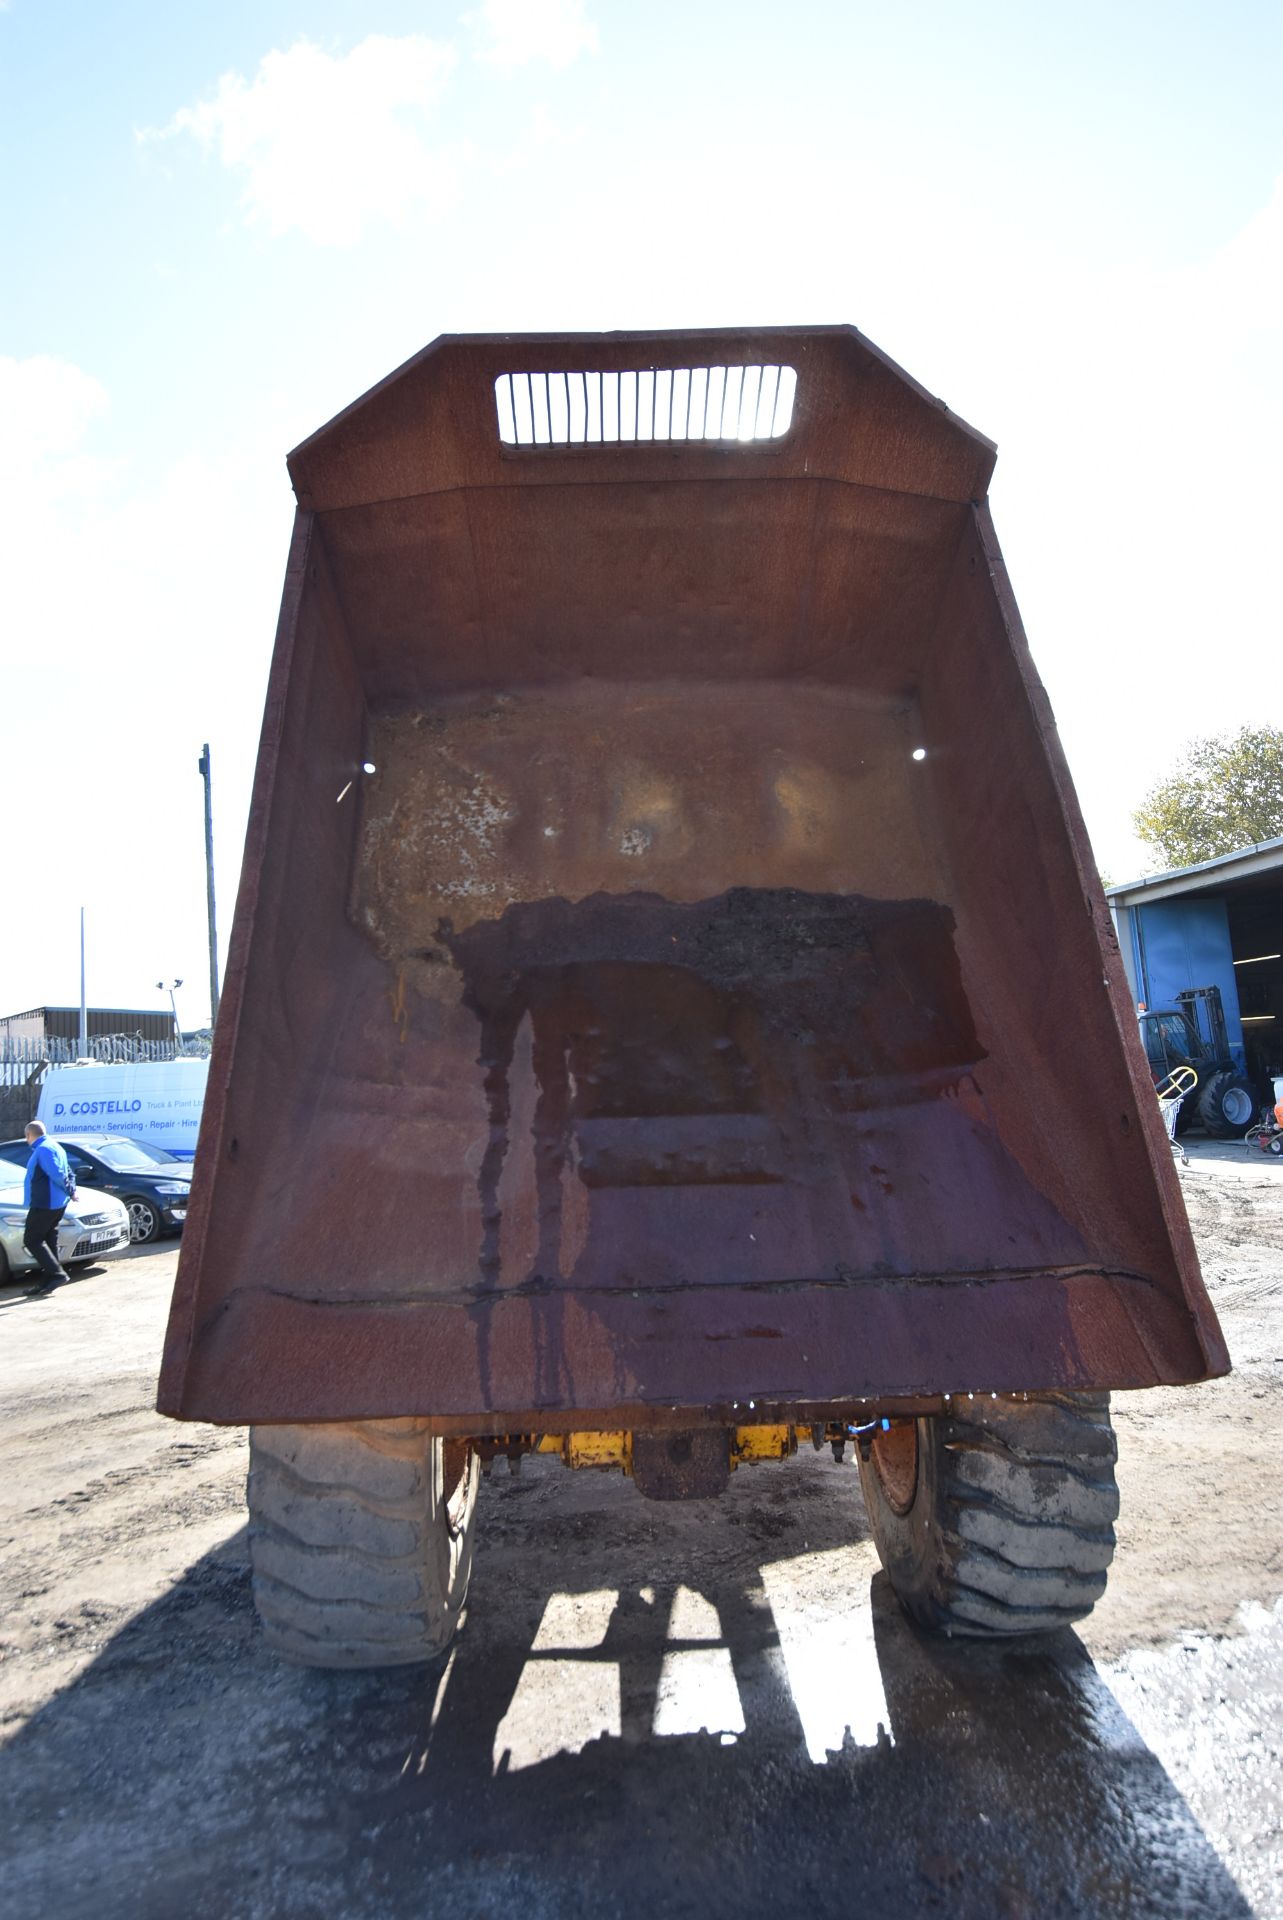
(707,1002)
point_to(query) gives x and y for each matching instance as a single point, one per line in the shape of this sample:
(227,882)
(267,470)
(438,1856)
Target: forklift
(1193,1034)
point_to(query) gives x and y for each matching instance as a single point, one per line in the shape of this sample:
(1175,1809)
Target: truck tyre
(360,1540)
(1226,1105)
(997,1519)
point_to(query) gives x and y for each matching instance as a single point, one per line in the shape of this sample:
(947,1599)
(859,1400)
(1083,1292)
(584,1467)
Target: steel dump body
(651,1036)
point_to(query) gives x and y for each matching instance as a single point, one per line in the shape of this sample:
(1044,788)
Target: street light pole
(84,1009)
(178,1032)
(203,765)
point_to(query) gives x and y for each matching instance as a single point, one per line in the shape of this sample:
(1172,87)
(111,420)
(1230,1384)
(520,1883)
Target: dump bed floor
(680,1083)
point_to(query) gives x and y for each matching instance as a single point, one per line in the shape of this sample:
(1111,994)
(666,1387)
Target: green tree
(1226,794)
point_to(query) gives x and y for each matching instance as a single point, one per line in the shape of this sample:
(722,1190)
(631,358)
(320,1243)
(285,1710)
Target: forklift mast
(1206,1014)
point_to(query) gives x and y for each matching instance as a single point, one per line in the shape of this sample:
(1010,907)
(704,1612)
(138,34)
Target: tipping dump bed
(708,998)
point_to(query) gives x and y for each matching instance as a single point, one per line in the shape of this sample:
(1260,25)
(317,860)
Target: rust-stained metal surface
(651,1033)
(690,1465)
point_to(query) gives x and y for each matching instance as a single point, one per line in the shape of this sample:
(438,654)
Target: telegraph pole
(203,765)
(84,1010)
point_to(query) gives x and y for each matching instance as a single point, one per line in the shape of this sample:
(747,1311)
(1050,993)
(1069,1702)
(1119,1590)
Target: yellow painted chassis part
(615,1450)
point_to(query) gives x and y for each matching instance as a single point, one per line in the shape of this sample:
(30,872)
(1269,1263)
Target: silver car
(94,1227)
(152,1186)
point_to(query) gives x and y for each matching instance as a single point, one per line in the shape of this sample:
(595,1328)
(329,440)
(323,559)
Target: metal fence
(23,1060)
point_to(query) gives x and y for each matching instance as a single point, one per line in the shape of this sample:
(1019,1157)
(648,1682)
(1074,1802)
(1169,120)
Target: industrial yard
(680,1710)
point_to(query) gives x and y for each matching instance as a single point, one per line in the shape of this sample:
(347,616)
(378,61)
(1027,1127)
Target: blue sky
(219,225)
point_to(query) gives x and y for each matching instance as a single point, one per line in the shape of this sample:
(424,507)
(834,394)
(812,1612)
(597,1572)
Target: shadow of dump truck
(688,1713)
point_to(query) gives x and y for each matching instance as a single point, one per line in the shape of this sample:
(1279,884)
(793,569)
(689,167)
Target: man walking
(49,1186)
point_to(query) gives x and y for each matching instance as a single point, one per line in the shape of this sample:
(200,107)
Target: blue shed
(1219,923)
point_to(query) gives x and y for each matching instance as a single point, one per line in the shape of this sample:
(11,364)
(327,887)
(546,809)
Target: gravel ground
(649,1710)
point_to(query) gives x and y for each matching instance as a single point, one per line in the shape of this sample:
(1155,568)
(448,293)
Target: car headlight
(14,1219)
(171,1186)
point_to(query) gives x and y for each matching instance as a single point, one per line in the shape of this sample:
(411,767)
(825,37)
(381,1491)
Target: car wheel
(144,1220)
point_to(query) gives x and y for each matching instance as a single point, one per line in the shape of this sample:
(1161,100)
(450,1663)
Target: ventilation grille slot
(740,404)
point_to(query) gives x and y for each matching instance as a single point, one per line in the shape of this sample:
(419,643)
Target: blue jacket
(49,1182)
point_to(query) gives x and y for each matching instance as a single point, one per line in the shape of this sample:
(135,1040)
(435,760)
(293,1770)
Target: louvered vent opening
(739,404)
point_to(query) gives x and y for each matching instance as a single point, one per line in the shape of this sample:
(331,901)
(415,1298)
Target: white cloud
(46,407)
(1243,284)
(516,32)
(329,143)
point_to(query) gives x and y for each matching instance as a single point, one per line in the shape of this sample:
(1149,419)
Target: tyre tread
(349,1564)
(1020,1536)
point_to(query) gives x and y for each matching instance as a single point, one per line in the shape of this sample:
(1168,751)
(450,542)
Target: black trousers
(40,1237)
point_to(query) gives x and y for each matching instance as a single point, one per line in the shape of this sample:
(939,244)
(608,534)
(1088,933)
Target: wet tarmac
(686,1712)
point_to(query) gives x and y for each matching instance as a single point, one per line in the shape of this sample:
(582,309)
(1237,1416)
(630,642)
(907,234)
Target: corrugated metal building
(1219,923)
(63,1023)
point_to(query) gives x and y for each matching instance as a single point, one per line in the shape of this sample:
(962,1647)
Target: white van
(156,1101)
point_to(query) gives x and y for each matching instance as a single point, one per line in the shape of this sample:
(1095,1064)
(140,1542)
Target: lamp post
(178,1038)
(84,1008)
(203,769)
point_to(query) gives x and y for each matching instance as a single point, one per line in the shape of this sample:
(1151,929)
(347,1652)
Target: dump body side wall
(1041,959)
(288,967)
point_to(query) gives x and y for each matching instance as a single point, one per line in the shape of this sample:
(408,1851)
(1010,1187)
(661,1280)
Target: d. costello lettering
(96,1106)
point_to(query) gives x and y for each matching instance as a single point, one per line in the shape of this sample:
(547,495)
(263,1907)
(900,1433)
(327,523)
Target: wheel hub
(894,1450)
(456,1468)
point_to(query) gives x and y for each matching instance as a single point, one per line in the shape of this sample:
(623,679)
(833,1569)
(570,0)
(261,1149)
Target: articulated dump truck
(672,1014)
